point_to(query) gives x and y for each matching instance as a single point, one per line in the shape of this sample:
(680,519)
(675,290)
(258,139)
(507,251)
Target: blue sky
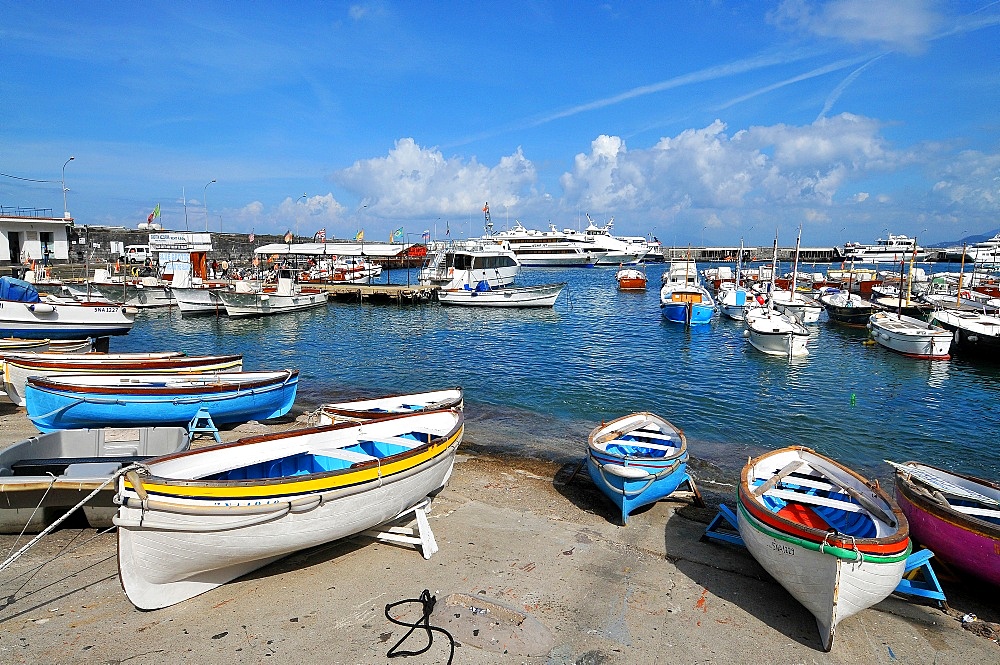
(699,122)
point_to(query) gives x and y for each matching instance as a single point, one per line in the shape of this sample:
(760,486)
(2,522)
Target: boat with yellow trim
(193,521)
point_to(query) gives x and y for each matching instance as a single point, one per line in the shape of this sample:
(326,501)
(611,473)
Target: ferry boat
(620,251)
(552,248)
(893,250)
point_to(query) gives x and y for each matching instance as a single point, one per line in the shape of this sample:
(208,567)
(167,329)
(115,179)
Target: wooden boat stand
(919,581)
(203,425)
(422,537)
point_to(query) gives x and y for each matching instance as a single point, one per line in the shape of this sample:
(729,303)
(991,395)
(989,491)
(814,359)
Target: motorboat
(834,540)
(630,279)
(973,333)
(548,249)
(285,296)
(196,520)
(142,292)
(538,295)
(847,308)
(776,333)
(619,251)
(354,270)
(804,308)
(456,264)
(894,249)
(683,298)
(25,314)
(735,301)
(909,336)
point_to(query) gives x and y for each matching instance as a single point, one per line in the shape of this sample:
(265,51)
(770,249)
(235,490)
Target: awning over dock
(377,249)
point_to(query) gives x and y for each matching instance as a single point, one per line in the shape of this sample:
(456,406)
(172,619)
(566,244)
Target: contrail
(835,94)
(819,71)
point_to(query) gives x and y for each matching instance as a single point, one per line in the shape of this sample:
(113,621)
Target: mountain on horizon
(968,240)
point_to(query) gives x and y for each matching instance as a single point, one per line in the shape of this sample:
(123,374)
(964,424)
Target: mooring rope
(427,601)
(17,555)
(32,515)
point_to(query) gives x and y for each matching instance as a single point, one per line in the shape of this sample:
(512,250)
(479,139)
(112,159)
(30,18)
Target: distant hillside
(968,240)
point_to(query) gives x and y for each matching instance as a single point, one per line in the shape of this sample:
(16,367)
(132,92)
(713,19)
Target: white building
(28,234)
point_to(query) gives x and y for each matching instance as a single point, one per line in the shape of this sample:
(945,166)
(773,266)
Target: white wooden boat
(354,270)
(834,541)
(71,345)
(196,520)
(776,333)
(735,301)
(799,305)
(630,279)
(909,336)
(144,292)
(542,295)
(380,407)
(44,476)
(287,296)
(17,369)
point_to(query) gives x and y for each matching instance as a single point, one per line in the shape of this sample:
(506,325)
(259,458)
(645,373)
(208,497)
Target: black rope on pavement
(427,601)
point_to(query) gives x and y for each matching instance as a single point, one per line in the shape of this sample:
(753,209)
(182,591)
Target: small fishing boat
(354,270)
(11,345)
(483,295)
(735,301)
(144,292)
(630,279)
(202,299)
(776,333)
(17,369)
(71,345)
(25,314)
(909,336)
(954,515)
(637,460)
(380,407)
(804,308)
(196,520)
(76,401)
(973,333)
(847,308)
(286,296)
(836,542)
(683,298)
(44,476)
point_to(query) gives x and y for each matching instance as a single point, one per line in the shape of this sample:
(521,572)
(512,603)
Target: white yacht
(455,264)
(893,250)
(986,253)
(552,248)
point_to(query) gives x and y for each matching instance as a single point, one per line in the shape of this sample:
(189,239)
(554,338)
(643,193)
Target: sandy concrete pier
(532,568)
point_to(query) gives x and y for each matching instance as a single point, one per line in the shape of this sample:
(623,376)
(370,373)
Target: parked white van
(137,253)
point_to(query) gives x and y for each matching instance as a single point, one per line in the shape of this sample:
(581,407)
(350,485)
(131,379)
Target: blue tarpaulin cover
(17,289)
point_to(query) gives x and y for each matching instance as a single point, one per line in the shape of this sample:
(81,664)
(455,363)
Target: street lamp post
(205,199)
(65,210)
(304,196)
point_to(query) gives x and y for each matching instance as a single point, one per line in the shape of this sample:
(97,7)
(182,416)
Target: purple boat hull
(971,545)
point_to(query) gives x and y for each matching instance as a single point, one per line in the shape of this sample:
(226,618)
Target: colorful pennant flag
(426,236)
(320,235)
(360,236)
(397,235)
(288,236)
(252,236)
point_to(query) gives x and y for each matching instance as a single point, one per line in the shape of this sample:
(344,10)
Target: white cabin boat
(287,296)
(894,249)
(552,248)
(457,264)
(910,336)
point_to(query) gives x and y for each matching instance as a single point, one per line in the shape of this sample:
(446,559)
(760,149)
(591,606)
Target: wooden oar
(789,468)
(870,505)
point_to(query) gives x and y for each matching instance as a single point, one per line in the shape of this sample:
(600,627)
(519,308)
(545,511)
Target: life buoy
(964,294)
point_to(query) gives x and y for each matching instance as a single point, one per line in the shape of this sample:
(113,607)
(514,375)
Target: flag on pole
(426,237)
(288,236)
(397,235)
(320,235)
(252,236)
(486,211)
(153,215)
(360,237)
(447,229)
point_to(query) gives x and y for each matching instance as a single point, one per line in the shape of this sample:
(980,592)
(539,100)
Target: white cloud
(903,25)
(860,197)
(412,182)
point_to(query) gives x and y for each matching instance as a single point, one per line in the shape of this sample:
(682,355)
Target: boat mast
(899,303)
(774,270)
(795,266)
(739,264)
(909,277)
(961,275)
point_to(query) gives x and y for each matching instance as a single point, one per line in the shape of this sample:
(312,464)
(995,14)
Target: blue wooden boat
(100,400)
(683,299)
(637,460)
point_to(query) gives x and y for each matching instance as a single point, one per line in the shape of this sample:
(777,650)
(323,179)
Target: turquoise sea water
(537,381)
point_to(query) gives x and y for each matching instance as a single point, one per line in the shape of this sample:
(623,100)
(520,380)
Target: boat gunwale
(124,364)
(880,546)
(593,450)
(58,385)
(450,403)
(960,520)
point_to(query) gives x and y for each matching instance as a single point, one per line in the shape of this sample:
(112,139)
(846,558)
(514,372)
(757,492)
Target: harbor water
(537,381)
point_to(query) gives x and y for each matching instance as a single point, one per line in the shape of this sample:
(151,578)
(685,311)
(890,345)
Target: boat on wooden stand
(196,520)
(637,460)
(44,476)
(380,407)
(108,400)
(837,543)
(954,515)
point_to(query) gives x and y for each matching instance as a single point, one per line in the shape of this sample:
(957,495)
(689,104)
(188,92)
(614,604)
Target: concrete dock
(532,568)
